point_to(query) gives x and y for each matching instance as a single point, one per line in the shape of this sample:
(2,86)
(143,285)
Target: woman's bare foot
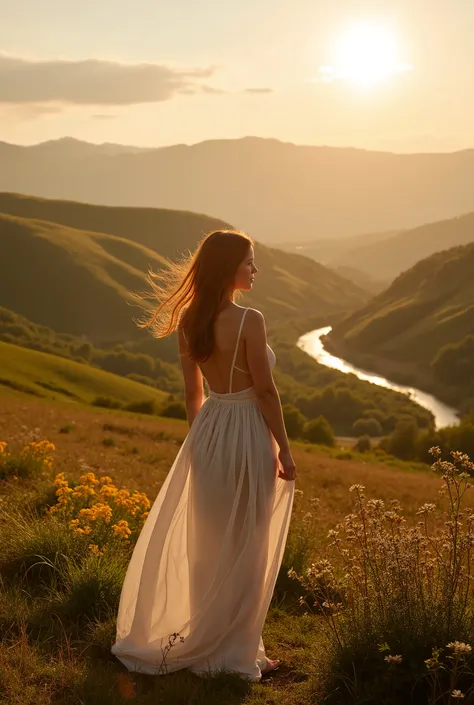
(271,666)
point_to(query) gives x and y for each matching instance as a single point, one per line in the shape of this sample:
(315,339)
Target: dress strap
(236,348)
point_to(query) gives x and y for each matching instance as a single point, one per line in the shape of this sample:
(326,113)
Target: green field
(54,377)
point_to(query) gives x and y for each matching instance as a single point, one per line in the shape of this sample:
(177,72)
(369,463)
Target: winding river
(311,343)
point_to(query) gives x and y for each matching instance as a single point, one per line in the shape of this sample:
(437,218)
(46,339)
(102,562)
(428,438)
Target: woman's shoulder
(254,318)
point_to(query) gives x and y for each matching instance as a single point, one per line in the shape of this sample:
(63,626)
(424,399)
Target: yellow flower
(93,547)
(73,523)
(121,529)
(83,491)
(106,480)
(63,490)
(3,445)
(89,478)
(107,491)
(86,530)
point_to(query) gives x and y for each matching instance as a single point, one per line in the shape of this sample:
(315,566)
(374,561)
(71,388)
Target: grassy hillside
(86,275)
(427,308)
(57,613)
(277,191)
(49,376)
(387,258)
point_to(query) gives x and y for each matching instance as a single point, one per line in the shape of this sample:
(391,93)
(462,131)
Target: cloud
(256,91)
(211,90)
(93,81)
(29,111)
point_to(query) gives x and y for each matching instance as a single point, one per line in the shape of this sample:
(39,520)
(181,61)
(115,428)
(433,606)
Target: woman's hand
(288,465)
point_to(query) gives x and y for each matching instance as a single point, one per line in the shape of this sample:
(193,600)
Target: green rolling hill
(49,376)
(427,309)
(72,267)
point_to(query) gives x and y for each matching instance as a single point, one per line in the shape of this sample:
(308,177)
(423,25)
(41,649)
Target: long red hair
(191,291)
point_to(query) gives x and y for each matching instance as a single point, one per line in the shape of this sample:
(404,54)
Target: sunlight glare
(365,54)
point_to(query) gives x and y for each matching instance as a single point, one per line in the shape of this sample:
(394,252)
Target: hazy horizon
(243,137)
(363,74)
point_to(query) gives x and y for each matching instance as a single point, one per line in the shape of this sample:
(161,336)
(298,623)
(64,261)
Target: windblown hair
(191,292)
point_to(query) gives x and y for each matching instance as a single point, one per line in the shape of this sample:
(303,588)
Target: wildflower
(3,445)
(83,531)
(121,529)
(393,659)
(60,481)
(457,694)
(459,648)
(426,509)
(106,480)
(83,491)
(89,478)
(93,547)
(292,574)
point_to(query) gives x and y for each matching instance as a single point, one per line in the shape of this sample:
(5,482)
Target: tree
(367,427)
(363,444)
(294,420)
(402,443)
(319,431)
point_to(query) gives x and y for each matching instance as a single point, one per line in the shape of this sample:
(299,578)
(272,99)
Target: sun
(365,53)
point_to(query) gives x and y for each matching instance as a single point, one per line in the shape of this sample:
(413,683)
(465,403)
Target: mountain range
(276,191)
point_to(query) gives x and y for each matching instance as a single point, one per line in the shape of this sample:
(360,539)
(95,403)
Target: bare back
(229,335)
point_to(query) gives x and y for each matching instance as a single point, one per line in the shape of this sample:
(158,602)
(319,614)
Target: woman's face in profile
(246,272)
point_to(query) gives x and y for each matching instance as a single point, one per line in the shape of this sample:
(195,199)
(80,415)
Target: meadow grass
(61,570)
(53,377)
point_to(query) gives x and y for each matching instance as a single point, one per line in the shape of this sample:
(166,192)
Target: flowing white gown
(206,561)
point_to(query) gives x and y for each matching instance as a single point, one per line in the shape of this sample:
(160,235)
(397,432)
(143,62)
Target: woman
(201,577)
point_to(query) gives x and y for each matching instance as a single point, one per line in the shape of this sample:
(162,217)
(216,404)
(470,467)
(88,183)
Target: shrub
(367,427)
(146,406)
(173,409)
(397,602)
(403,441)
(33,459)
(294,420)
(363,444)
(98,510)
(319,431)
(107,402)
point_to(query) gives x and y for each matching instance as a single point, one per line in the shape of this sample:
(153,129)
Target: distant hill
(277,191)
(78,281)
(389,257)
(49,376)
(330,250)
(363,279)
(427,308)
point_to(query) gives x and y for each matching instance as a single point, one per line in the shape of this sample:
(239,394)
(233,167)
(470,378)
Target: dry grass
(138,456)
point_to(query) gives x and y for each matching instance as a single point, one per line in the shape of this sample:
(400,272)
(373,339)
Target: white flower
(393,659)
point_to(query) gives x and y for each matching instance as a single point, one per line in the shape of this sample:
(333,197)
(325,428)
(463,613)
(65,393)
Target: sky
(392,75)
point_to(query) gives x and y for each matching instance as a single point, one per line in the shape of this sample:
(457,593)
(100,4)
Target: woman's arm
(193,383)
(259,367)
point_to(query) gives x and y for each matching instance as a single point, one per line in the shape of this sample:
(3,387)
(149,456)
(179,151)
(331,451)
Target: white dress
(206,561)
